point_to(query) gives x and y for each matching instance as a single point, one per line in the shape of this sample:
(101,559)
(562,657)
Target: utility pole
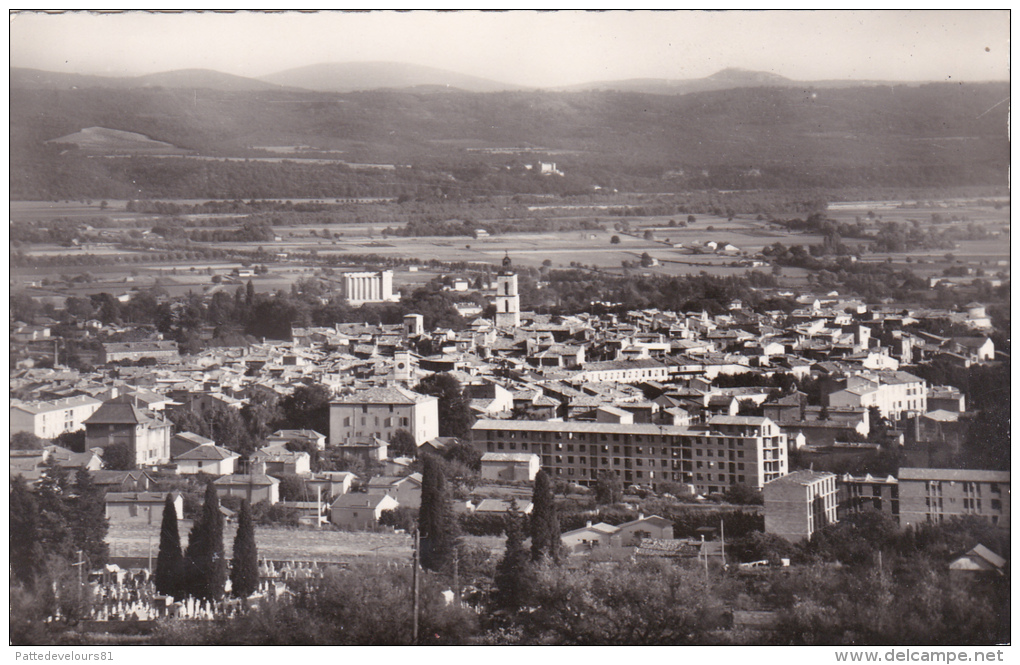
(150,553)
(456,576)
(414,586)
(722,538)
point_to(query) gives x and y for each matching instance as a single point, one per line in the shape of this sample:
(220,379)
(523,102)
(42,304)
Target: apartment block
(799,504)
(48,420)
(931,496)
(728,450)
(867,493)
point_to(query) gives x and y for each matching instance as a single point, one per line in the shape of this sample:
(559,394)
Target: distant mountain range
(180,78)
(733,130)
(361,76)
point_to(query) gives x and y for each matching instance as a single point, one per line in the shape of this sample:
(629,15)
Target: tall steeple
(508,300)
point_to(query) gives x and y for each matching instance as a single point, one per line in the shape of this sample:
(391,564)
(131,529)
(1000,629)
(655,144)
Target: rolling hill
(735,138)
(355,76)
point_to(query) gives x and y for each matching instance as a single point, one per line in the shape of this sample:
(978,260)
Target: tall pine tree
(170,562)
(435,518)
(205,562)
(244,568)
(515,578)
(545,523)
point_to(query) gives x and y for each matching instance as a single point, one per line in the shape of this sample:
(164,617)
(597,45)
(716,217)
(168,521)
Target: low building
(368,448)
(207,458)
(254,487)
(590,537)
(931,496)
(510,467)
(331,483)
(140,507)
(299,436)
(501,506)
(800,503)
(406,489)
(165,351)
(123,481)
(632,533)
(360,511)
(979,560)
(276,461)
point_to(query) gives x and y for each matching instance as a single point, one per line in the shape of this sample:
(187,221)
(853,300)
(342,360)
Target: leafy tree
(307,407)
(436,522)
(455,417)
(26,554)
(119,456)
(73,441)
(464,454)
(608,489)
(646,260)
(292,487)
(515,578)
(54,514)
(743,495)
(615,240)
(88,522)
(204,561)
(545,523)
(402,444)
(26,441)
(260,414)
(244,569)
(650,602)
(170,561)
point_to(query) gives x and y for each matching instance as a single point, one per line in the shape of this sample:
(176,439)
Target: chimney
(640,516)
(589,524)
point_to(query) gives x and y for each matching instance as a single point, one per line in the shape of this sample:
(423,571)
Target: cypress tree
(244,568)
(170,562)
(435,518)
(515,578)
(545,524)
(26,554)
(205,563)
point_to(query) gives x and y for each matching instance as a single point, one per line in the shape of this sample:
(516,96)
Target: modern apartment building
(728,450)
(800,503)
(866,494)
(48,420)
(935,495)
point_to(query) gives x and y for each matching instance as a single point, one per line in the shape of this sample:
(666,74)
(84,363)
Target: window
(364,408)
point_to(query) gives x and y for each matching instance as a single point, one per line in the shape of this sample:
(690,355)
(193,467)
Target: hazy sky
(530,48)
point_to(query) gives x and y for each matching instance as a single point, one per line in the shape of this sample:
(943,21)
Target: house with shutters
(120,421)
(381,411)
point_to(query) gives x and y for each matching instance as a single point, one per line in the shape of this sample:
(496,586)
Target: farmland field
(677,250)
(281,543)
